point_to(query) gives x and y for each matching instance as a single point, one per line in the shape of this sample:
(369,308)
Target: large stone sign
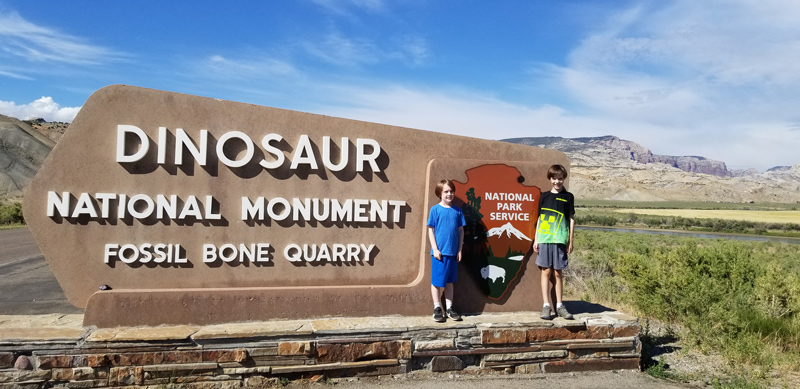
(163,208)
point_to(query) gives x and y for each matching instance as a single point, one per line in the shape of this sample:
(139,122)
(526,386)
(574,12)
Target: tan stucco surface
(395,280)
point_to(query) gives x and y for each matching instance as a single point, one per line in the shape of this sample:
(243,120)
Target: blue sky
(719,79)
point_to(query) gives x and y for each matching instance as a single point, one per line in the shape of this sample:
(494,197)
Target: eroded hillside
(22,150)
(612,168)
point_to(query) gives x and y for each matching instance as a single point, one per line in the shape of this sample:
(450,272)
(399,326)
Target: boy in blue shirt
(555,232)
(446,233)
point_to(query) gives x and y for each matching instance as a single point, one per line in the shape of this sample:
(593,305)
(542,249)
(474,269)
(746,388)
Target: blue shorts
(445,271)
(552,255)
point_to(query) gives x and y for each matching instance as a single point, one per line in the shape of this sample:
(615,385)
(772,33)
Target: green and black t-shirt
(555,211)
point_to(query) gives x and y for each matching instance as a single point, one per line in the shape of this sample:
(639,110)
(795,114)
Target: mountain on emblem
(509,230)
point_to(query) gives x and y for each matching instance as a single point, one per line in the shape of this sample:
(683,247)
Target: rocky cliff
(612,168)
(630,150)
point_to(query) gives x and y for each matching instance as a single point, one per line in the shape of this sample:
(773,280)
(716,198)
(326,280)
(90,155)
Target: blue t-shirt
(445,222)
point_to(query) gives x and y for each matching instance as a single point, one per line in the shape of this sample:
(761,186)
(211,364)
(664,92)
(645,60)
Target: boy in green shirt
(554,236)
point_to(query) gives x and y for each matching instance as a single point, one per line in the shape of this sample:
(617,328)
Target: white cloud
(44,108)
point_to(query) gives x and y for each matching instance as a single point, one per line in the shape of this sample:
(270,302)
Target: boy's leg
(561,310)
(436,293)
(437,278)
(559,285)
(545,280)
(438,312)
(448,296)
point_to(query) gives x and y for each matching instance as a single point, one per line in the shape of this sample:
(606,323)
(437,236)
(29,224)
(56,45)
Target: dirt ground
(465,380)
(695,369)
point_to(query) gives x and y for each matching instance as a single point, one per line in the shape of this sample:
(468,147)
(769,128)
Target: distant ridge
(608,167)
(632,150)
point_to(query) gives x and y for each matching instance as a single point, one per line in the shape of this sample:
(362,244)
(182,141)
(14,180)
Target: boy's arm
(571,233)
(436,253)
(571,213)
(535,243)
(460,241)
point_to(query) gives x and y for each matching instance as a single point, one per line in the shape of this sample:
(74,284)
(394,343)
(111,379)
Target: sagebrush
(11,213)
(739,298)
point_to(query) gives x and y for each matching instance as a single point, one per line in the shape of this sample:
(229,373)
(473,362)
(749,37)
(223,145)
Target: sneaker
(562,311)
(453,314)
(437,315)
(547,313)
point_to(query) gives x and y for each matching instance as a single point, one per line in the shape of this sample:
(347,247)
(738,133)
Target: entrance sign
(163,208)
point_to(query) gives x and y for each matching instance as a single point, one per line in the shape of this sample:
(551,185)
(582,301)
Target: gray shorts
(552,255)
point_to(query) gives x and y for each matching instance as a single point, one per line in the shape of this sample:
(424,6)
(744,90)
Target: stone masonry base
(258,354)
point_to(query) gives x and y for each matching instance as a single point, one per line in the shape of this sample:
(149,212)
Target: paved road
(27,286)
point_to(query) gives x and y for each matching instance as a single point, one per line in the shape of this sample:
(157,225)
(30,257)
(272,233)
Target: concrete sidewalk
(63,327)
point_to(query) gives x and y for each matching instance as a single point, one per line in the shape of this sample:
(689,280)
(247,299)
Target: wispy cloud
(340,50)
(413,50)
(13,74)
(677,49)
(23,41)
(346,7)
(245,68)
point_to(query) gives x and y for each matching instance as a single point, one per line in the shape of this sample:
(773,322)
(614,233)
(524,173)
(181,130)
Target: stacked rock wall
(256,354)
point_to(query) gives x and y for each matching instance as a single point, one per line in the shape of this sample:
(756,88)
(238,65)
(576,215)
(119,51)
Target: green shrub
(596,220)
(741,299)
(11,213)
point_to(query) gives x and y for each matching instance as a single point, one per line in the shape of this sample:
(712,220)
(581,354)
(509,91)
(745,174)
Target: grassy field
(739,218)
(685,205)
(786,216)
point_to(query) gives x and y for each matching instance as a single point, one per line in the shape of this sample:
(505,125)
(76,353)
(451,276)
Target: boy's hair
(440,186)
(556,171)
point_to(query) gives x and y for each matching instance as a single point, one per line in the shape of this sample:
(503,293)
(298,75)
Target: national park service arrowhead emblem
(501,216)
